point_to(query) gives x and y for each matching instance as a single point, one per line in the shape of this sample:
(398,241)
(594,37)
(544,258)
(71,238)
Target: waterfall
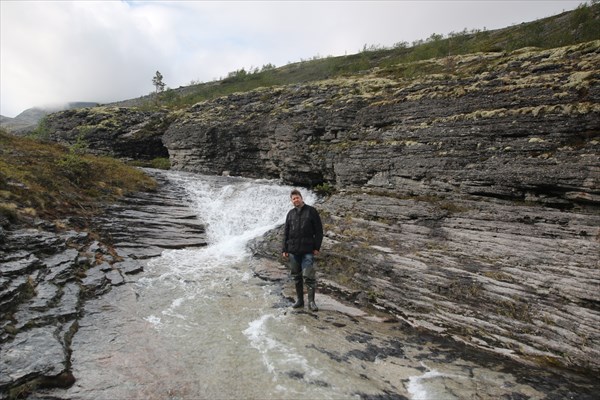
(234,210)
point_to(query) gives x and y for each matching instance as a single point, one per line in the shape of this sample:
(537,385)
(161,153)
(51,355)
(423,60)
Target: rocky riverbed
(201,320)
(49,273)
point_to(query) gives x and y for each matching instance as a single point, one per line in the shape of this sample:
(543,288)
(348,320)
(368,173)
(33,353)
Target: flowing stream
(197,324)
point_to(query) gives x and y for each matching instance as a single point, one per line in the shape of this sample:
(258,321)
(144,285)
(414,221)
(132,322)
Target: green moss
(8,211)
(452,208)
(160,163)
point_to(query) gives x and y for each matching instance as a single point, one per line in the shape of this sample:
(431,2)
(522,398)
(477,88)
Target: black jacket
(303,232)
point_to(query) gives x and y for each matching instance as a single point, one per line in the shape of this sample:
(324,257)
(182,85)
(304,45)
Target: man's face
(297,200)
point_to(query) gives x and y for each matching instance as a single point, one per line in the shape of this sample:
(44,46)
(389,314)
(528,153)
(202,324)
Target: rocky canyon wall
(121,132)
(463,193)
(467,190)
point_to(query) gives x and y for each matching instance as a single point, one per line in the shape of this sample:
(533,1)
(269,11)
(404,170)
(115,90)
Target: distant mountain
(28,120)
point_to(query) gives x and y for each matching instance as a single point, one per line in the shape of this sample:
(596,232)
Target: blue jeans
(303,266)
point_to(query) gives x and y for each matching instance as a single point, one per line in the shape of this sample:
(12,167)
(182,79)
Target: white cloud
(57,51)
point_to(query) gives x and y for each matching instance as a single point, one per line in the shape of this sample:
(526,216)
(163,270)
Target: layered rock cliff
(116,131)
(464,192)
(467,189)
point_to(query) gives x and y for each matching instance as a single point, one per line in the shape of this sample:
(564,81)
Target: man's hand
(316,252)
(285,255)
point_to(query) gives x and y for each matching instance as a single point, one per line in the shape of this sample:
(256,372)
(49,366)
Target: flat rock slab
(115,278)
(144,224)
(20,266)
(130,267)
(35,352)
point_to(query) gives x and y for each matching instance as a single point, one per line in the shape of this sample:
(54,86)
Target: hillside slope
(568,28)
(45,180)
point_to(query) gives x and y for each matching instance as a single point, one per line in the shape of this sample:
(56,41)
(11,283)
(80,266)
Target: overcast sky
(59,51)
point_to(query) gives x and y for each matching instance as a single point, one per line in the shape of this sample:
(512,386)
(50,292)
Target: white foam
(276,355)
(238,211)
(154,320)
(246,276)
(417,387)
(256,333)
(176,304)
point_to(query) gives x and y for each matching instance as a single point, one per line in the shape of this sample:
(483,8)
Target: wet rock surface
(443,367)
(47,275)
(119,353)
(143,225)
(41,300)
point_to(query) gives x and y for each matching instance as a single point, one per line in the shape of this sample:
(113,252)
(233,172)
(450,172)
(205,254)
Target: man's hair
(295,191)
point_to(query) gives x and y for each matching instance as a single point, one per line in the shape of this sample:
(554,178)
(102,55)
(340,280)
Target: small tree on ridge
(158,83)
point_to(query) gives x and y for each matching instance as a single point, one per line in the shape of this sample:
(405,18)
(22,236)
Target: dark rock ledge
(48,273)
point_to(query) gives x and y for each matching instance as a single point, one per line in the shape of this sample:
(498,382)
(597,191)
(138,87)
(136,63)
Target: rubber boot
(300,294)
(312,306)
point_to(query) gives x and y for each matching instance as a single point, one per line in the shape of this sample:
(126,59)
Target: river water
(198,324)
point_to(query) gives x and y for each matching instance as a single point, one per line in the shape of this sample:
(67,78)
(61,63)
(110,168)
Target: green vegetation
(324,189)
(51,181)
(580,25)
(158,163)
(41,131)
(158,83)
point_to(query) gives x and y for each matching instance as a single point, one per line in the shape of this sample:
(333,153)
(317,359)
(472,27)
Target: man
(302,238)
